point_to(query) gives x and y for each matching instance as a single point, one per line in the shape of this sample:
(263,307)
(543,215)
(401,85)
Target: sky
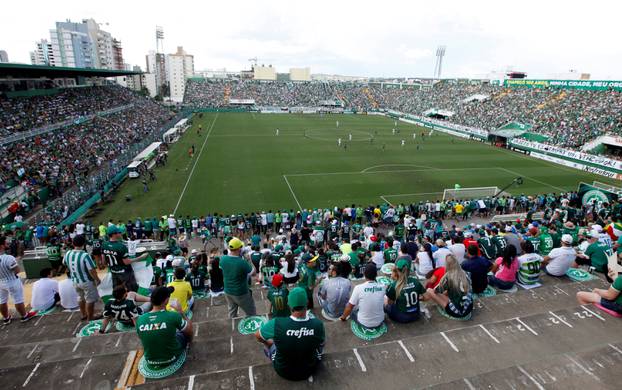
(358,38)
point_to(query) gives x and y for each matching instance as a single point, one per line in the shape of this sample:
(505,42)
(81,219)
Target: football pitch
(240,165)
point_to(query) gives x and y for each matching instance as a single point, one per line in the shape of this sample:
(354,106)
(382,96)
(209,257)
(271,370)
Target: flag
(614,230)
(143,272)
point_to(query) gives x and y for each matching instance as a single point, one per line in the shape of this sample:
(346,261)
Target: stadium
(247,231)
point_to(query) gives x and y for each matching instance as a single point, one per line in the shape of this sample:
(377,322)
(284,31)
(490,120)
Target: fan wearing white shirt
(368,300)
(441,253)
(44,292)
(457,248)
(559,260)
(68,294)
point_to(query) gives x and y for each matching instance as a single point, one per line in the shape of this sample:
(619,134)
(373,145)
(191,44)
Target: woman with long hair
(505,269)
(403,294)
(289,269)
(453,293)
(425,261)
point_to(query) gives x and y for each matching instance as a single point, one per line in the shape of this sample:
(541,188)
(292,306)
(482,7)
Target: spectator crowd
(570,118)
(358,264)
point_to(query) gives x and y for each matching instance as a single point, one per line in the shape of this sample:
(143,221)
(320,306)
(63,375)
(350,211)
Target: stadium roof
(25,71)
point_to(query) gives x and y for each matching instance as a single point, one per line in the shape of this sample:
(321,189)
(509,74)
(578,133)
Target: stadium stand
(569,118)
(100,125)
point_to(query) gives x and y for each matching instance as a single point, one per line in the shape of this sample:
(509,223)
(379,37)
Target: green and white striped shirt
(79,263)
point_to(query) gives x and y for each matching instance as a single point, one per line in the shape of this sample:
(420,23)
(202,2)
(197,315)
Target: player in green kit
(295,343)
(277,295)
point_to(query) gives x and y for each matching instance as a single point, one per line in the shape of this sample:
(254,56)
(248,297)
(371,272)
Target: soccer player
(339,142)
(414,136)
(403,143)
(394,131)
(350,137)
(277,131)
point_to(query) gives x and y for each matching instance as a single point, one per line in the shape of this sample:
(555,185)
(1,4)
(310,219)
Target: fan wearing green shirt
(277,296)
(308,276)
(295,343)
(235,271)
(610,299)
(163,334)
(596,254)
(390,254)
(404,294)
(115,255)
(54,254)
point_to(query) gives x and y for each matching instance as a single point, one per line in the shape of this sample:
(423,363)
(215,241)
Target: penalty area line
(292,192)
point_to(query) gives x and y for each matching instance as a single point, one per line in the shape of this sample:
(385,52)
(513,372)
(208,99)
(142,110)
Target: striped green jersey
(79,263)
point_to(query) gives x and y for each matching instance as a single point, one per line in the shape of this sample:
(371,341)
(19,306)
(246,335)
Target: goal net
(607,187)
(470,193)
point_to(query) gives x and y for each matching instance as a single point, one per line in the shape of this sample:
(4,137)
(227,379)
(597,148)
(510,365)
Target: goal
(607,187)
(471,193)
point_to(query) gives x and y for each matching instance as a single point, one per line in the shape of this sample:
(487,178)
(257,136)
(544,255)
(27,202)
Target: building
(180,67)
(81,45)
(149,82)
(300,74)
(264,72)
(156,65)
(4,57)
(43,54)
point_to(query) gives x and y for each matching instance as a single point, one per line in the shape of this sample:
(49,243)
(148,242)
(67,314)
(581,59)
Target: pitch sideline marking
(390,171)
(395,165)
(532,179)
(292,191)
(183,191)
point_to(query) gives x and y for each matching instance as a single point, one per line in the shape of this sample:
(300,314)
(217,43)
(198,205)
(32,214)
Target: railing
(64,207)
(60,125)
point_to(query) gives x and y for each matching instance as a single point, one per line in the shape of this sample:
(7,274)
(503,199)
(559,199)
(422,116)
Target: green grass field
(241,166)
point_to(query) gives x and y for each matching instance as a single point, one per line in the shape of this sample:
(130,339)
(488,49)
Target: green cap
(297,298)
(112,229)
(402,263)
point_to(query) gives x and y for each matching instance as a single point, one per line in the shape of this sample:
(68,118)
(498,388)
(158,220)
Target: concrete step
(571,342)
(439,357)
(52,343)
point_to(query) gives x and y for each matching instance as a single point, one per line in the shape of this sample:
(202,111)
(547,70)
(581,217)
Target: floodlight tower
(440,53)
(159,39)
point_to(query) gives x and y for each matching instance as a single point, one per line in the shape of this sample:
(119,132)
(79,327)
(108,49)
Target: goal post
(607,187)
(471,193)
